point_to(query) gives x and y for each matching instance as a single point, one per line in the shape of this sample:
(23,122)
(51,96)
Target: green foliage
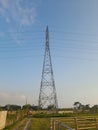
(40,124)
(12,107)
(44,115)
(20,124)
(27,106)
(14,116)
(51,107)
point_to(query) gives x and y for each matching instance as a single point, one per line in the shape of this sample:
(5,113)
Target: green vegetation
(17,116)
(44,115)
(18,124)
(79,107)
(40,124)
(41,121)
(14,116)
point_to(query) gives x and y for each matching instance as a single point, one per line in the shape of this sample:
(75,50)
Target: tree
(27,106)
(50,107)
(78,105)
(87,106)
(34,107)
(94,109)
(12,107)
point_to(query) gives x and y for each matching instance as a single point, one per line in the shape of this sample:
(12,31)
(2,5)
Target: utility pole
(47,95)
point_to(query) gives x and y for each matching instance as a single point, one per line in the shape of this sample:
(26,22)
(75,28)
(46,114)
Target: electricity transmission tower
(47,95)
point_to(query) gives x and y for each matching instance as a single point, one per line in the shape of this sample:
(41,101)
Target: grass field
(17,125)
(43,121)
(40,124)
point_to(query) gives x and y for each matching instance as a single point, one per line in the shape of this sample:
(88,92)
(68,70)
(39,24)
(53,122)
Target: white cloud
(4,95)
(12,98)
(23,12)
(16,37)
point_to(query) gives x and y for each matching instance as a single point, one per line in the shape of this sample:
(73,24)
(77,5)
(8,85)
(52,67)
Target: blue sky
(73,34)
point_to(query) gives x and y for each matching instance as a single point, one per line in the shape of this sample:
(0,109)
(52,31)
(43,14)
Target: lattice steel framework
(47,95)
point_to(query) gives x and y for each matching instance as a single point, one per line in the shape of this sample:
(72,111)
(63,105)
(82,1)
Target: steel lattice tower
(47,95)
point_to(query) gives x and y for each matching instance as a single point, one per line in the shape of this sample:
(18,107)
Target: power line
(55,31)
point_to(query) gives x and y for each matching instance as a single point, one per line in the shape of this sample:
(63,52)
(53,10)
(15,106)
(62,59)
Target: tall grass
(40,124)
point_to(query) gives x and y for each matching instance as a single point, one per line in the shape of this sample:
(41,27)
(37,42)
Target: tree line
(18,107)
(79,107)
